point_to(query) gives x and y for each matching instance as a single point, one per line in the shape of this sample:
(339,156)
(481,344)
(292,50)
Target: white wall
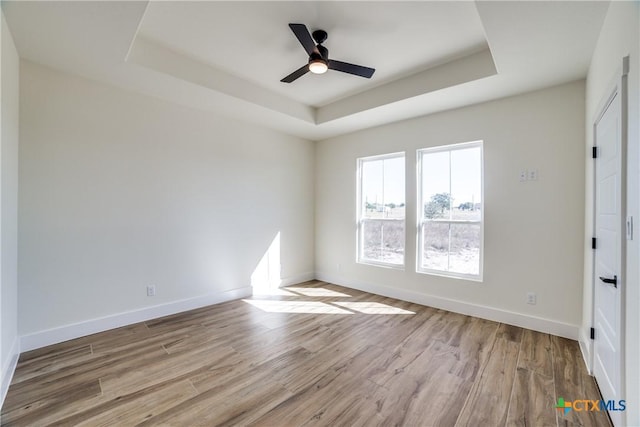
(533,230)
(619,37)
(119,191)
(9,344)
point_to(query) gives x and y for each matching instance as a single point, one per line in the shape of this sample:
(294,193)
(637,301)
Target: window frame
(420,214)
(360,219)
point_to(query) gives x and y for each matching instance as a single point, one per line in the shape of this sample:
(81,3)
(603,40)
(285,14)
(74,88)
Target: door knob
(613,281)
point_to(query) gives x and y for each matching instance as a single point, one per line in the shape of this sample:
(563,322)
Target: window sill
(381,264)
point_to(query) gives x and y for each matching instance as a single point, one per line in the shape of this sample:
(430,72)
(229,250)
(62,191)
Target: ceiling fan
(319,61)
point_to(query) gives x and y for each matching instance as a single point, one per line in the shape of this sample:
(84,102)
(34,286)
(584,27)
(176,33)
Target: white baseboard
(9,368)
(92,326)
(300,278)
(490,313)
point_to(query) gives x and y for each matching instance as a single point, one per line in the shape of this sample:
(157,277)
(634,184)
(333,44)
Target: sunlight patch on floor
(372,308)
(273,292)
(317,292)
(310,307)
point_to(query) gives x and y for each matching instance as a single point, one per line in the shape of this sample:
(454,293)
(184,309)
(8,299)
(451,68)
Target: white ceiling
(252,40)
(229,57)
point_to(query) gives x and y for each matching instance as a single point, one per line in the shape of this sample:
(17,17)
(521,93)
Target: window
(381,206)
(450,210)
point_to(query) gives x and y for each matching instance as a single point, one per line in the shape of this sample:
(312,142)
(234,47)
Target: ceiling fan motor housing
(324,54)
(319,36)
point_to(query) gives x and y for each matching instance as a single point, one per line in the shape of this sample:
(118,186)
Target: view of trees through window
(382,210)
(451,200)
(450,210)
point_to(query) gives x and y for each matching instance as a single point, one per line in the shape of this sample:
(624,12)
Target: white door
(608,254)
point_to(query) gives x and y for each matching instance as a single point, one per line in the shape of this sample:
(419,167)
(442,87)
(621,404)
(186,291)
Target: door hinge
(593,243)
(594,152)
(593,334)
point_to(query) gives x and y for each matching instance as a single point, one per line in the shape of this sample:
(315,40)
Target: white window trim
(421,220)
(359,217)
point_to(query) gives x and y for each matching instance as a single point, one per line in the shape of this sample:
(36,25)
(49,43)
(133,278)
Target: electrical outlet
(533,175)
(151,290)
(531,298)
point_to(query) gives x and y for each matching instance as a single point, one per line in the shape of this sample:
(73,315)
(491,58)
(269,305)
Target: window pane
(383,188)
(451,195)
(435,239)
(464,254)
(372,188)
(466,184)
(382,210)
(394,188)
(383,241)
(435,185)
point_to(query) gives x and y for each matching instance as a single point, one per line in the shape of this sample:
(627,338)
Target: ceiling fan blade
(357,70)
(296,74)
(301,32)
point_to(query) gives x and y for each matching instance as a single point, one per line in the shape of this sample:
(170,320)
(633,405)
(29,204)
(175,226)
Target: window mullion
(450,193)
(450,212)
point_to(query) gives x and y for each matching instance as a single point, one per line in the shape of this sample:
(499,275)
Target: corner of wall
(9,124)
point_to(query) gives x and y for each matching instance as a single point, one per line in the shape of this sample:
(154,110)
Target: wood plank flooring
(315,355)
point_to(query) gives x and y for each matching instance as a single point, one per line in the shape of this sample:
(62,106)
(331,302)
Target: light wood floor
(320,355)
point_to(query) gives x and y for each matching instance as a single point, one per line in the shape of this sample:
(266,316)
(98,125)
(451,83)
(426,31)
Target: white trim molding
(539,324)
(294,280)
(8,369)
(101,324)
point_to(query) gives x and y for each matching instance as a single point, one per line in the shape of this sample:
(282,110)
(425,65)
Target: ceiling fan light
(318,66)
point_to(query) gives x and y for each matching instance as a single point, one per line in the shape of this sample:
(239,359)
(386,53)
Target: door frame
(618,86)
